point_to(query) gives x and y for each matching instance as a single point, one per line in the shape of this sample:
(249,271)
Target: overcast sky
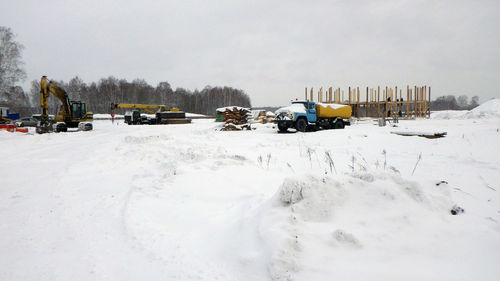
(270,49)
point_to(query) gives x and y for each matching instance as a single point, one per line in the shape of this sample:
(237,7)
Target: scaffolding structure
(380,102)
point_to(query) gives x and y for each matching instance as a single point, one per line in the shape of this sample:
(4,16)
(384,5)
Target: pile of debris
(263,117)
(235,118)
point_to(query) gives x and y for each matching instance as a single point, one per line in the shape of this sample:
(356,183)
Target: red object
(22,130)
(8,127)
(112,115)
(11,128)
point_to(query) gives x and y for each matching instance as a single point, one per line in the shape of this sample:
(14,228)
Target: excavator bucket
(44,126)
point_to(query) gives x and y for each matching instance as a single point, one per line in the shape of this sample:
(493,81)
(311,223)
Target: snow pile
(314,226)
(295,107)
(489,109)
(331,105)
(448,114)
(191,115)
(233,107)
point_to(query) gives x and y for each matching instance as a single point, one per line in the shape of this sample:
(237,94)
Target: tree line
(452,103)
(99,95)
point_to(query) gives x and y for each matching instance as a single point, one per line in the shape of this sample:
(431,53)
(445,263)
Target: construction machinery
(149,108)
(72,114)
(304,115)
(163,114)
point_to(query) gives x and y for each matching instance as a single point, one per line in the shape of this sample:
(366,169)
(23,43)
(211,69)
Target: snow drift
(489,109)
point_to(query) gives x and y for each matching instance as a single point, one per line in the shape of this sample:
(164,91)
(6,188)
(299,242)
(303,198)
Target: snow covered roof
(294,107)
(223,109)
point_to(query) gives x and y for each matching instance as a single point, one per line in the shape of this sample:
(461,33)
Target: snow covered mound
(489,109)
(448,114)
(348,216)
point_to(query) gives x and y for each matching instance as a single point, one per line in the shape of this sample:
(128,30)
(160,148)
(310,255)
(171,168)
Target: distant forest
(452,103)
(100,95)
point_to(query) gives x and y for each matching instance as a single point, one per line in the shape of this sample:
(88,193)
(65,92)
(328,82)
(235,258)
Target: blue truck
(304,115)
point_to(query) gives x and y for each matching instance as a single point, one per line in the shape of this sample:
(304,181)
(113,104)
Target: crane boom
(150,108)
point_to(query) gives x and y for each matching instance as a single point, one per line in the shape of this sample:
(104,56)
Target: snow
(189,202)
(331,105)
(191,115)
(489,109)
(223,109)
(294,107)
(448,114)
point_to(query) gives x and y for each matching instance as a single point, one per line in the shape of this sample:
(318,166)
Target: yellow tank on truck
(330,110)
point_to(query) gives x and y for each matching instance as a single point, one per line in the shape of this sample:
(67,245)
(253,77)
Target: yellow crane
(72,114)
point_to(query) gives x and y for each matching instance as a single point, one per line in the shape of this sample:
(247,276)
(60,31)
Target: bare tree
(11,70)
(463,102)
(474,102)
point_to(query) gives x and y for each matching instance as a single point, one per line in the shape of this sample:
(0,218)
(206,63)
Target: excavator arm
(47,87)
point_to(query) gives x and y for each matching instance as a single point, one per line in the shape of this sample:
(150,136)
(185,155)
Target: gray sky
(270,49)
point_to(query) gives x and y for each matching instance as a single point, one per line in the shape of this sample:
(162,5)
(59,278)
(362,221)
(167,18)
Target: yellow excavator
(72,114)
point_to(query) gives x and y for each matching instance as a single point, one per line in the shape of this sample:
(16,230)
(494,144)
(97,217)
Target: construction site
(386,102)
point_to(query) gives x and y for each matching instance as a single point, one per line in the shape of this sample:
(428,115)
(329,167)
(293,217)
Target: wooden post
(421,91)
(306,93)
(378,101)
(349,96)
(420,101)
(424,100)
(429,102)
(410,101)
(415,102)
(385,102)
(366,103)
(312,95)
(407,100)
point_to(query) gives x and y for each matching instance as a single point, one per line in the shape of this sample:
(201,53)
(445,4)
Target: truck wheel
(301,125)
(282,128)
(339,124)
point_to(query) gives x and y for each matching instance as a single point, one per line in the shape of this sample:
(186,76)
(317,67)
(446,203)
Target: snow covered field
(189,202)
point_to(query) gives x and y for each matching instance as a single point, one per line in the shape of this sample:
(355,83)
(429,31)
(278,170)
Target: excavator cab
(78,110)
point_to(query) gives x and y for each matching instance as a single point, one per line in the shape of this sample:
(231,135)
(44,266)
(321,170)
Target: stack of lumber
(263,117)
(235,118)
